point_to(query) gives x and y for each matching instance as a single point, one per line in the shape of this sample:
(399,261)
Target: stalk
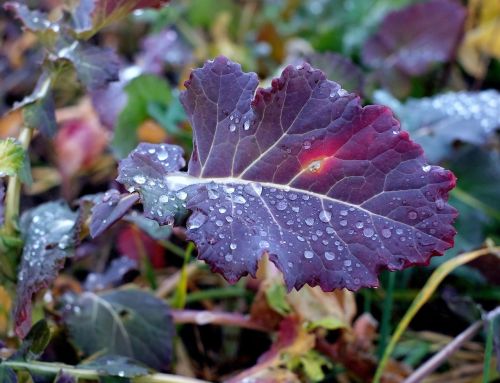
(13,197)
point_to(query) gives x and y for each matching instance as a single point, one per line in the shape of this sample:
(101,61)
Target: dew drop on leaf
(325,216)
(196,220)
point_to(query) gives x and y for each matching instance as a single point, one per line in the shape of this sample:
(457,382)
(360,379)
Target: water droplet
(246,125)
(314,166)
(253,188)
(232,127)
(263,244)
(412,215)
(347,262)
(222,210)
(196,220)
(325,216)
(239,199)
(386,233)
(163,198)
(139,179)
(233,246)
(308,254)
(329,256)
(343,223)
(343,212)
(359,225)
(212,194)
(182,195)
(281,205)
(162,156)
(309,221)
(440,203)
(426,168)
(368,232)
(219,223)
(330,230)
(306,145)
(399,231)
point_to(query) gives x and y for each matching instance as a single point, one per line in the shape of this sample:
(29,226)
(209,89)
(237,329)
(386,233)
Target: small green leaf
(142,92)
(329,323)
(7,375)
(276,298)
(11,157)
(35,342)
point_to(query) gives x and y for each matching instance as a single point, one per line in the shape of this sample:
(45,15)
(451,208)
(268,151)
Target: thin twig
(216,318)
(433,363)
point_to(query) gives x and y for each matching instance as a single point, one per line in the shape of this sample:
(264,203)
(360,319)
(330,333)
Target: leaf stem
(82,373)
(13,197)
(425,293)
(201,317)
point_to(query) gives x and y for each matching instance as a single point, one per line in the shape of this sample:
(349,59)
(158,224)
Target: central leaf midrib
(239,181)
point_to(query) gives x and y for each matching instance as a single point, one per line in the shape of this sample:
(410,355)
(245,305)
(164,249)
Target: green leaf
(35,342)
(130,323)
(39,107)
(329,323)
(11,157)
(142,92)
(7,375)
(276,298)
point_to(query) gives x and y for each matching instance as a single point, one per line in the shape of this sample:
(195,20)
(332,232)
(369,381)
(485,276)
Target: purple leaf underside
(333,192)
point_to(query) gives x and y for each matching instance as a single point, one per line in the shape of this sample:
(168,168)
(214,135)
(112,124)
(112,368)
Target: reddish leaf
(332,191)
(416,37)
(135,244)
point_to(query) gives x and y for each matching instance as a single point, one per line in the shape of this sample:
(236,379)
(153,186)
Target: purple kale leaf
(415,37)
(95,66)
(332,191)
(144,171)
(110,208)
(49,232)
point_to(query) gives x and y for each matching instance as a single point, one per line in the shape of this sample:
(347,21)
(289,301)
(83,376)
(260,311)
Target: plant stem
(433,363)
(82,373)
(13,197)
(216,318)
(423,296)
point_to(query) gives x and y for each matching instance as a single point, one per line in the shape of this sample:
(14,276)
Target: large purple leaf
(332,191)
(416,37)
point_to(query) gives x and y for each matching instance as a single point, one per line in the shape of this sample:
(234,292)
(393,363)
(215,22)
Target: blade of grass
(385,325)
(488,351)
(179,299)
(423,296)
